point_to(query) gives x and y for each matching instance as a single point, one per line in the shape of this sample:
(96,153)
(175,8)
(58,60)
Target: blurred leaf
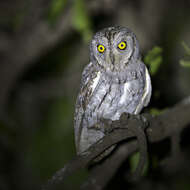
(155,111)
(134,160)
(186,48)
(183,62)
(53,144)
(81,20)
(56,9)
(154,59)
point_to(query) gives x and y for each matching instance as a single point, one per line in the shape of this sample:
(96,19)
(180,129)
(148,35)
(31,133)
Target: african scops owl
(115,81)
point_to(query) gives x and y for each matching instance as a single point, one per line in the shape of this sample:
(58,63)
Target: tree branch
(160,127)
(102,178)
(26,48)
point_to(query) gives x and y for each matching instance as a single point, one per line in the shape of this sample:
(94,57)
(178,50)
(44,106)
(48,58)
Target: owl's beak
(110,59)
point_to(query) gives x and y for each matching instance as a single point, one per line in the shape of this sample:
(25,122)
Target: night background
(44,46)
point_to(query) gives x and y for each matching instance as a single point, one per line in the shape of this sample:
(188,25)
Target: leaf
(134,160)
(156,111)
(56,9)
(184,63)
(81,20)
(54,142)
(186,48)
(154,59)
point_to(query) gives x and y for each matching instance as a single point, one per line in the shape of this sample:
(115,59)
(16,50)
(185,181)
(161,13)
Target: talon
(124,116)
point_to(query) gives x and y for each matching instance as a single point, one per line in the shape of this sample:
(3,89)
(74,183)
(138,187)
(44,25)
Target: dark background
(43,49)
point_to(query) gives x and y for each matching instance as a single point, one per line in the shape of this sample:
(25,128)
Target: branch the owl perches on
(160,127)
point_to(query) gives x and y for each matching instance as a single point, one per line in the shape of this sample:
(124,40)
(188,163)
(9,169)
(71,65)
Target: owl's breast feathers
(102,97)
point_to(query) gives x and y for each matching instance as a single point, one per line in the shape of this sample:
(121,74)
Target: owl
(115,81)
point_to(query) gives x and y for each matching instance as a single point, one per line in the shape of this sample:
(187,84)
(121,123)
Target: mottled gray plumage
(115,81)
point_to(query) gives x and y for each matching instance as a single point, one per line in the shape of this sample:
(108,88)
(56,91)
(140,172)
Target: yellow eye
(101,48)
(122,45)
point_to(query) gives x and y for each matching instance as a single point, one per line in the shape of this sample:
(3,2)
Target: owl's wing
(147,89)
(146,93)
(83,96)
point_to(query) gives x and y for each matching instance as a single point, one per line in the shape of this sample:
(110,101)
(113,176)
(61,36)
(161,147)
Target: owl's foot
(125,117)
(101,125)
(104,125)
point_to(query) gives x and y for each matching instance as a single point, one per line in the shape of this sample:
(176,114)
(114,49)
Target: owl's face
(113,48)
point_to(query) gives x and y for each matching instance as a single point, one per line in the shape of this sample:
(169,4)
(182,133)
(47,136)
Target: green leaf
(81,20)
(154,59)
(184,63)
(53,144)
(56,9)
(155,111)
(186,48)
(134,160)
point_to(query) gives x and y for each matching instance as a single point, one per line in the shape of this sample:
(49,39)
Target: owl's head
(113,48)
